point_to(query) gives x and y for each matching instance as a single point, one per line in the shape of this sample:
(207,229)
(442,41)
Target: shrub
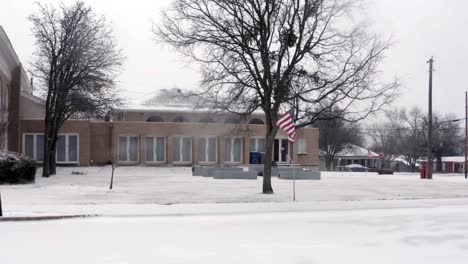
(16,168)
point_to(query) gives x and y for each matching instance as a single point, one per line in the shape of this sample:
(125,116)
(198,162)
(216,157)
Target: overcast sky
(419,29)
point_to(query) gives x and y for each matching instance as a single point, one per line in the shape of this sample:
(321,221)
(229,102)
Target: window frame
(67,158)
(67,148)
(128,161)
(181,161)
(155,144)
(257,138)
(232,150)
(206,161)
(301,151)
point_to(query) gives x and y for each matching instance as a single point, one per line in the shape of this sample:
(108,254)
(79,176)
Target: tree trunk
(267,188)
(439,162)
(53,148)
(46,161)
(328,162)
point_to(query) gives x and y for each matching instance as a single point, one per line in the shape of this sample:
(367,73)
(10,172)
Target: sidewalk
(151,210)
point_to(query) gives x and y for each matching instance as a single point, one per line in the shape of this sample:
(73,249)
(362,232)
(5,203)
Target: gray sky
(419,29)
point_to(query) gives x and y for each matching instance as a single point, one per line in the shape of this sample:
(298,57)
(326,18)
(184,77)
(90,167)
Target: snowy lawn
(172,185)
(142,186)
(385,236)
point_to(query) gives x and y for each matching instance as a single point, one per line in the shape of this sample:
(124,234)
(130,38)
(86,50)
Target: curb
(41,218)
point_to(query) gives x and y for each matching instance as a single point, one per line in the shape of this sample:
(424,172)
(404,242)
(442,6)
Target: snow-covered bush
(16,168)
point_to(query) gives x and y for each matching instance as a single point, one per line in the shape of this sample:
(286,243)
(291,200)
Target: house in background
(356,155)
(164,130)
(449,164)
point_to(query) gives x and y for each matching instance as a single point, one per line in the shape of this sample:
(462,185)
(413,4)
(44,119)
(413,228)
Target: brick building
(164,130)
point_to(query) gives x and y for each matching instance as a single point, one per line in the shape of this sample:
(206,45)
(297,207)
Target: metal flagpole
(466,135)
(294,177)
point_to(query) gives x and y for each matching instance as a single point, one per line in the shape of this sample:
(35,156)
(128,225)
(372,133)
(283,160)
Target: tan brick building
(164,130)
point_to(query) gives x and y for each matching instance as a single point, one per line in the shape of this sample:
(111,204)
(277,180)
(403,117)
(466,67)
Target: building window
(33,146)
(208,148)
(301,146)
(181,119)
(257,145)
(256,121)
(233,150)
(67,150)
(155,119)
(207,119)
(182,150)
(156,149)
(232,120)
(128,148)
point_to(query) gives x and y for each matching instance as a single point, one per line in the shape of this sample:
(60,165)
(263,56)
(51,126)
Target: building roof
(455,159)
(357,151)
(171,100)
(9,60)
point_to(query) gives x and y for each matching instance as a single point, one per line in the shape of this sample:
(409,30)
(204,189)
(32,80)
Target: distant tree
(337,135)
(384,139)
(446,137)
(277,55)
(408,133)
(76,62)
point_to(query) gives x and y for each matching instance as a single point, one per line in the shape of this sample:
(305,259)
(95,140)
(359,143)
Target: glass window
(182,149)
(233,149)
(149,149)
(237,149)
(257,145)
(61,149)
(301,146)
(227,149)
(155,149)
(187,149)
(73,148)
(208,146)
(202,148)
(160,149)
(122,148)
(133,148)
(212,149)
(29,145)
(39,147)
(176,149)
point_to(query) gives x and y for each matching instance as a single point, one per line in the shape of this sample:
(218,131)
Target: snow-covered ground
(145,186)
(417,235)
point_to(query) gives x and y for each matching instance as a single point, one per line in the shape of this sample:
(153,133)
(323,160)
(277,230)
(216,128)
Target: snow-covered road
(400,235)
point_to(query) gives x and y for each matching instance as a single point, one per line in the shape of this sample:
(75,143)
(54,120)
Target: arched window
(232,120)
(256,121)
(155,119)
(181,119)
(207,119)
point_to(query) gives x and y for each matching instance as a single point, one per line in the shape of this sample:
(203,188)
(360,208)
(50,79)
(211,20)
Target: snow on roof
(453,159)
(356,151)
(456,159)
(171,100)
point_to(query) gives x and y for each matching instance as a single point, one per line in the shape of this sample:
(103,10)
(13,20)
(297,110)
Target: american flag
(286,123)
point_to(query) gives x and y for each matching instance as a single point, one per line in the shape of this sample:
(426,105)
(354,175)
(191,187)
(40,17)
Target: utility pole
(429,134)
(466,134)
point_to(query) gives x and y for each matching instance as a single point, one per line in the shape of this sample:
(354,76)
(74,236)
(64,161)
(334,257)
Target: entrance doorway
(281,150)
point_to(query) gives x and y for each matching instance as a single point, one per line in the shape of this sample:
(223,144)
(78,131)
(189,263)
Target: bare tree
(408,129)
(76,63)
(446,137)
(280,54)
(385,141)
(337,135)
